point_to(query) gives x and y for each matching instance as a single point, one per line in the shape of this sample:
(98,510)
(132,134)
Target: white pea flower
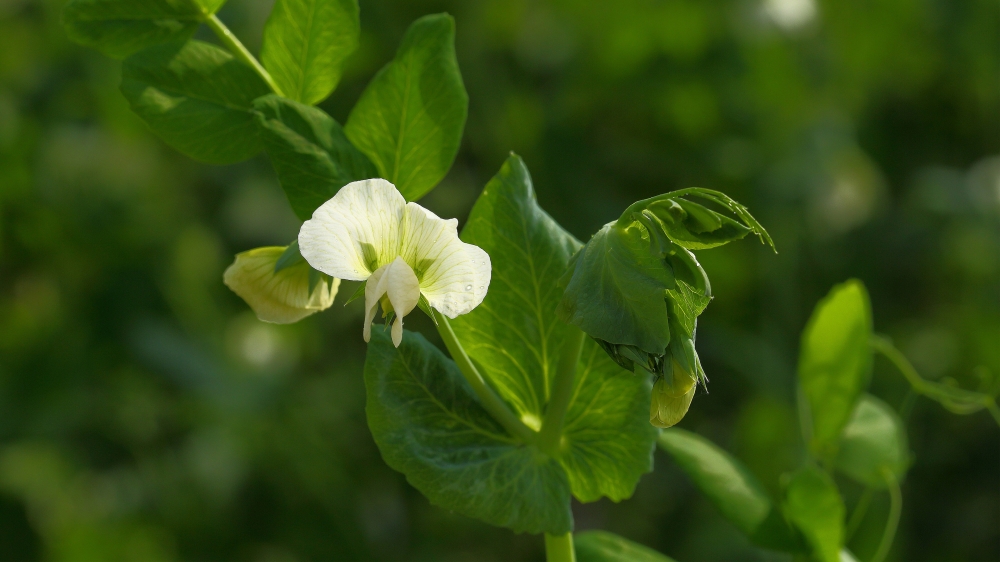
(279,293)
(368,232)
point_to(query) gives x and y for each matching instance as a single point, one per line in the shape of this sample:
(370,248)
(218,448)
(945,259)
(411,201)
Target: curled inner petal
(398,282)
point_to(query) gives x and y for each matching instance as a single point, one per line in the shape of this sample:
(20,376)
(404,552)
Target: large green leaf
(410,118)
(516,339)
(601,546)
(835,362)
(813,504)
(119,28)
(306,43)
(874,439)
(197,98)
(311,155)
(429,425)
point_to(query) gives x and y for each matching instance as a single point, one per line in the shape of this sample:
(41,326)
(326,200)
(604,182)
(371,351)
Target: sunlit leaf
(813,504)
(197,98)
(873,438)
(835,362)
(601,546)
(309,152)
(410,118)
(429,425)
(306,43)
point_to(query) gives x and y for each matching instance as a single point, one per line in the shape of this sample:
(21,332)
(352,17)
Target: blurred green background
(145,414)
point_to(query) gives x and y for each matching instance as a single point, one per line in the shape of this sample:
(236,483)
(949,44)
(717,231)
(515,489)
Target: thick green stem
(559,548)
(895,509)
(561,393)
(487,396)
(239,51)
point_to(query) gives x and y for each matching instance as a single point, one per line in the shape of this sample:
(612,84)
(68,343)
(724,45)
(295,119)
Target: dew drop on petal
(468,287)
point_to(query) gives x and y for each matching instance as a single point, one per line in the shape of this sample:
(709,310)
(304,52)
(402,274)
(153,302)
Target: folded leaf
(429,425)
(873,438)
(601,546)
(410,118)
(835,362)
(197,98)
(516,340)
(813,504)
(119,28)
(309,152)
(306,43)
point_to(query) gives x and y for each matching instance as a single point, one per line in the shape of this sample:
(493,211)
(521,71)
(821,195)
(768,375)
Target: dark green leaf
(306,43)
(835,362)
(694,226)
(311,155)
(813,504)
(515,339)
(410,118)
(429,425)
(601,546)
(197,98)
(119,28)
(873,438)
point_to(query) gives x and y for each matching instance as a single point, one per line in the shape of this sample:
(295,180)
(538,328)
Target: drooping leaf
(835,362)
(410,118)
(306,43)
(119,28)
(873,439)
(695,226)
(516,340)
(429,425)
(309,152)
(197,98)
(601,546)
(813,504)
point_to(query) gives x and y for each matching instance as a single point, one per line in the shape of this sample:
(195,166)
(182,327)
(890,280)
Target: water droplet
(468,287)
(480,287)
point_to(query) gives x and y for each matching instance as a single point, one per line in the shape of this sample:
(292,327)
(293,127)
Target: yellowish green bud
(672,395)
(280,294)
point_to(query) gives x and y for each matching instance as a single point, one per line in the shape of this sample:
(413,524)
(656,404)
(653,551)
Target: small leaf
(835,362)
(601,546)
(813,504)
(694,226)
(410,118)
(873,438)
(119,28)
(197,98)
(306,43)
(429,425)
(309,152)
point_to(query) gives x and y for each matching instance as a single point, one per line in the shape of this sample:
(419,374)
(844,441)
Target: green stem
(236,48)
(487,396)
(895,509)
(561,394)
(559,548)
(858,514)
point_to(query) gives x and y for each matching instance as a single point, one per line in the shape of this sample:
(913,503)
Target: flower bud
(279,285)
(672,395)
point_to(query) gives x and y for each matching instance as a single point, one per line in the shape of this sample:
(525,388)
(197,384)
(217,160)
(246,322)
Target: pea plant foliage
(556,349)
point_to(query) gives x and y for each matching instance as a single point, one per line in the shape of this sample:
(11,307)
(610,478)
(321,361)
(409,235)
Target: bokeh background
(145,414)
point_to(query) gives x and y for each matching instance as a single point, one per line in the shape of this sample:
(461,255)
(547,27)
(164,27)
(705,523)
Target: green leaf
(119,28)
(197,98)
(601,546)
(695,226)
(309,152)
(873,438)
(835,362)
(429,425)
(515,339)
(813,504)
(306,43)
(410,118)
(728,485)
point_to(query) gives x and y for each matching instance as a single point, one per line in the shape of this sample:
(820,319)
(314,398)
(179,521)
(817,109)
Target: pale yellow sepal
(281,297)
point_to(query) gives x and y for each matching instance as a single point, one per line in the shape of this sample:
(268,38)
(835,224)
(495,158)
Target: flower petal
(454,276)
(403,291)
(355,232)
(280,297)
(374,289)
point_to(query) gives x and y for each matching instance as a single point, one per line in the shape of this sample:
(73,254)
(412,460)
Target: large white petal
(355,232)
(281,297)
(454,276)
